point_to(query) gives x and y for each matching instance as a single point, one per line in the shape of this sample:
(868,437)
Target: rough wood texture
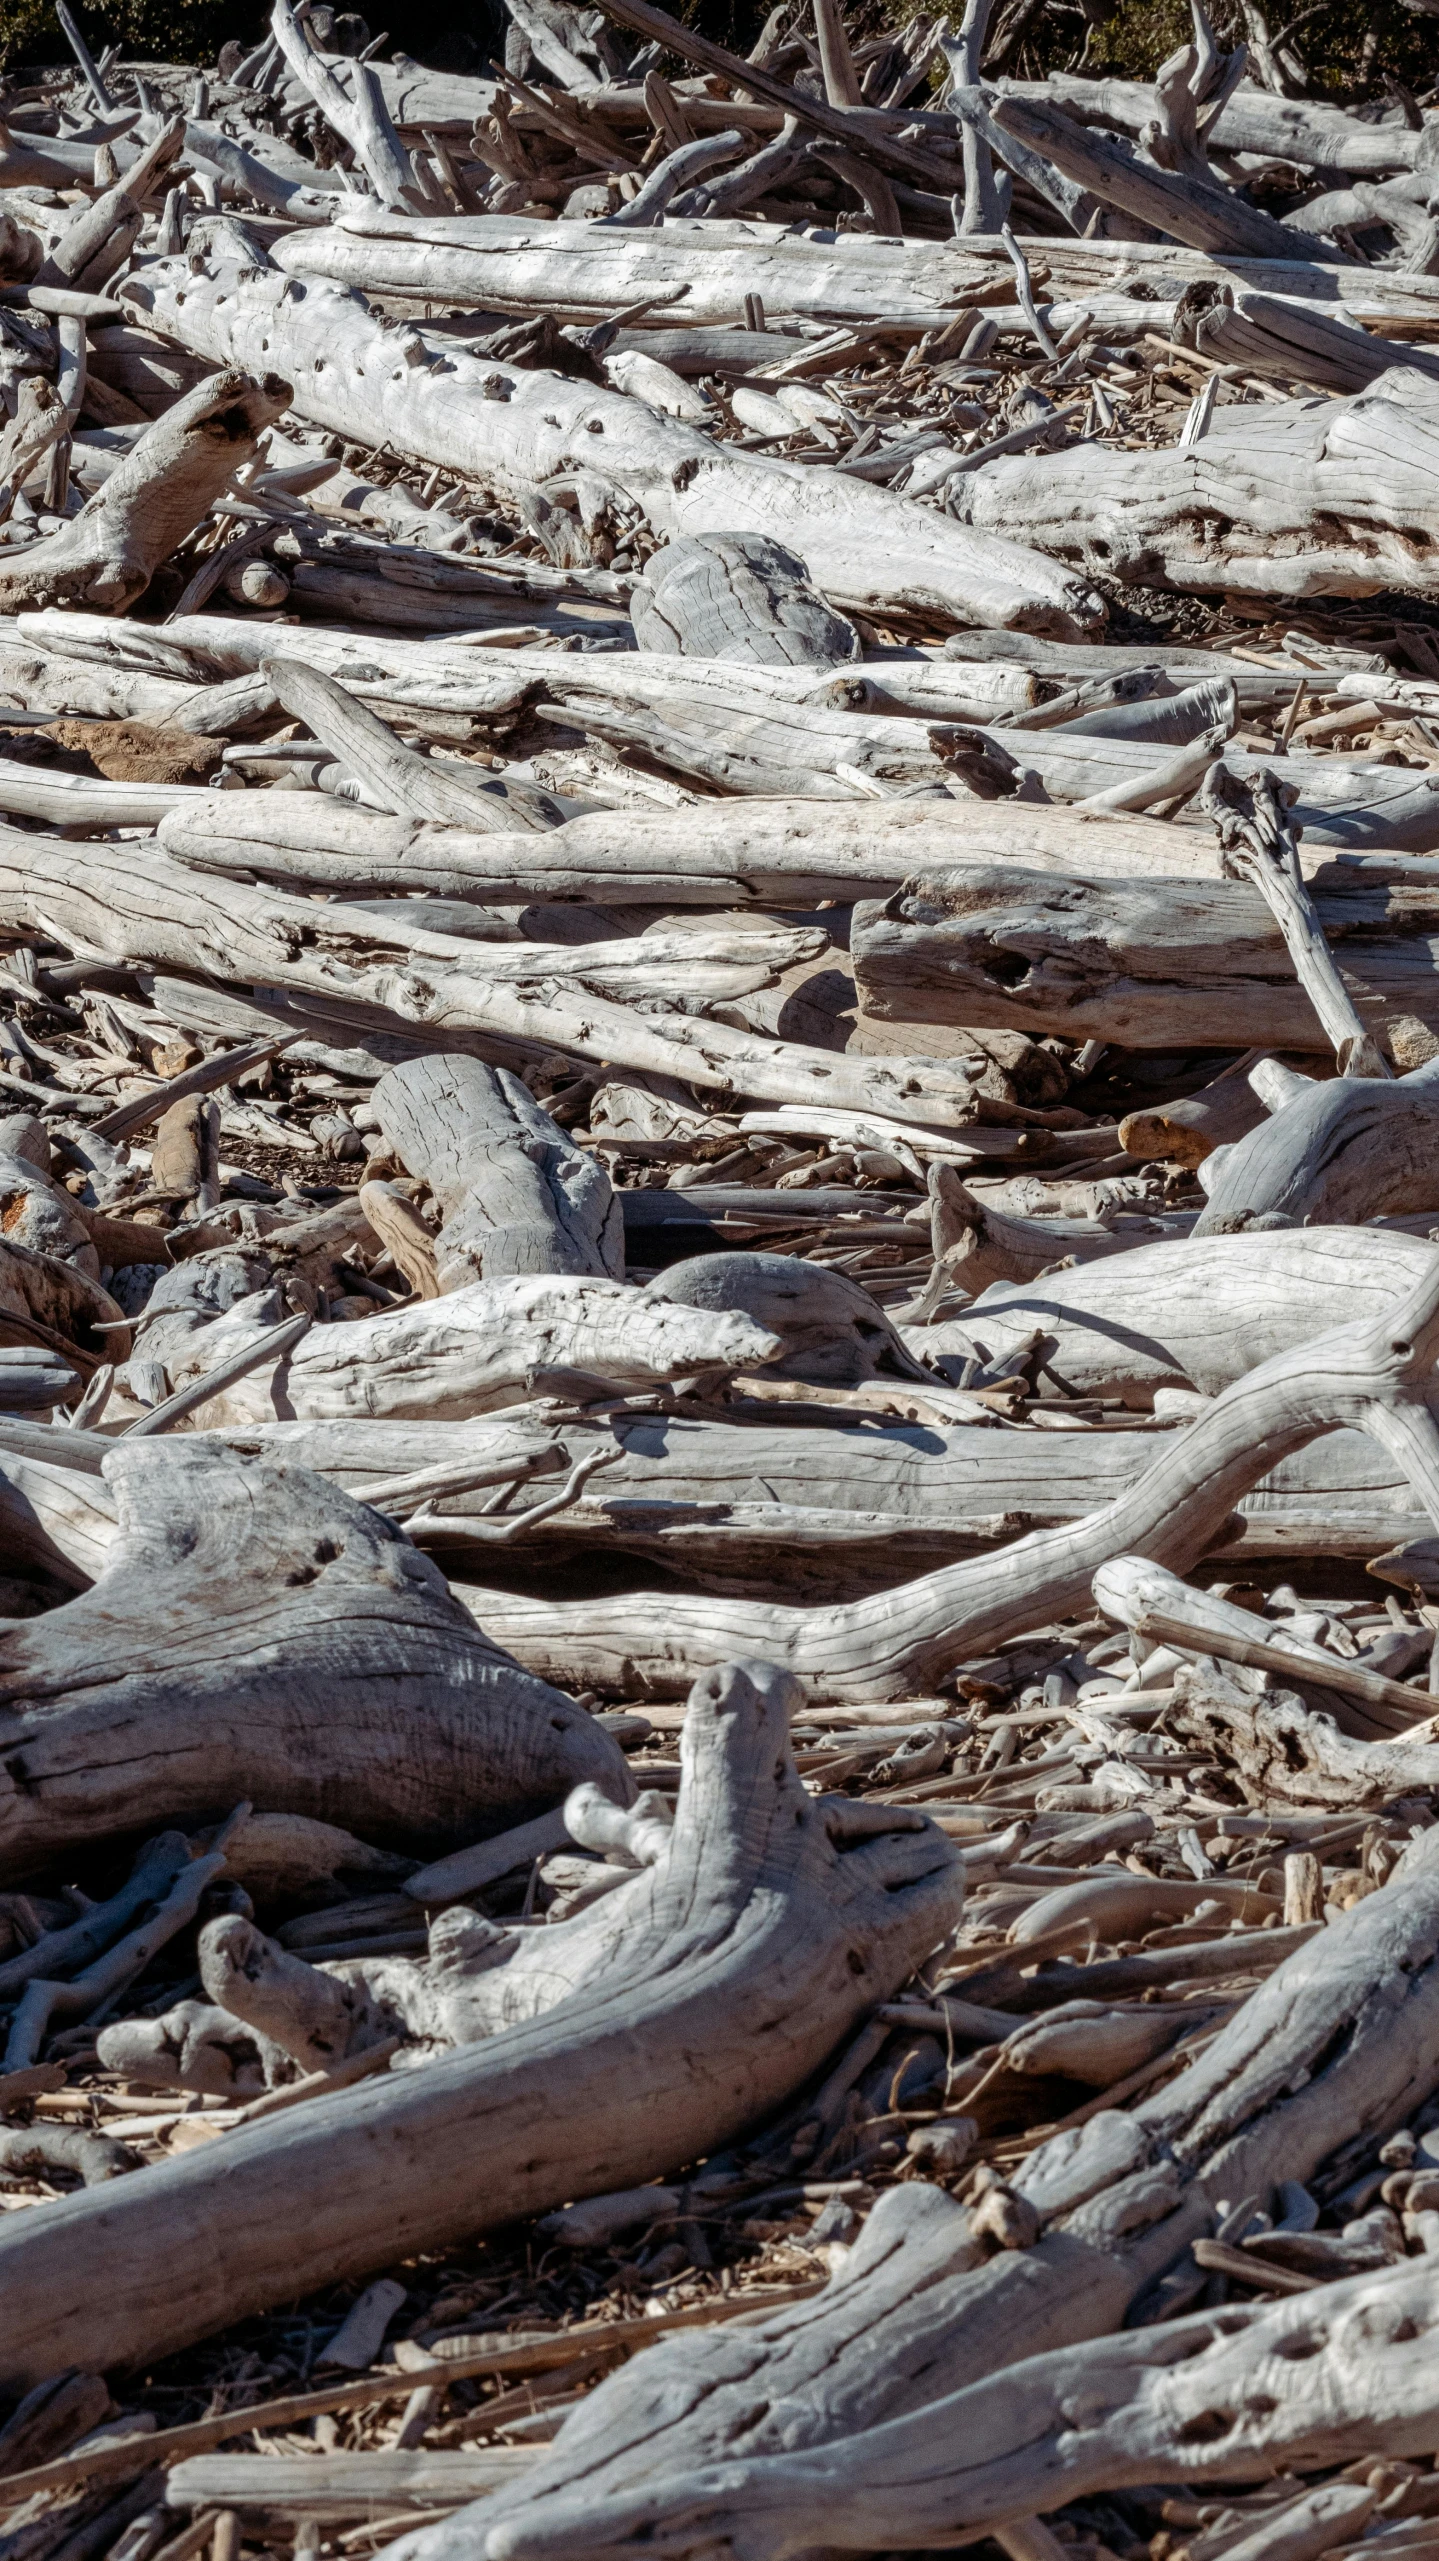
(158,912)
(1333,1155)
(516,1194)
(769,1910)
(737,598)
(256,1633)
(1365,1373)
(865,547)
(1148,964)
(108,555)
(734,2440)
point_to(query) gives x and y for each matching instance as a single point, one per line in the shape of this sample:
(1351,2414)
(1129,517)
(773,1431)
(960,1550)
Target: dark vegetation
(1352,55)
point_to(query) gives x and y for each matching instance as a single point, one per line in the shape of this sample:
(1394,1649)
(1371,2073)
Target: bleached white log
(711,1986)
(516,1193)
(351,99)
(1332,1154)
(493,1343)
(1313,499)
(1273,2387)
(1146,964)
(1369,1374)
(1197,1312)
(112,902)
(505,263)
(513,428)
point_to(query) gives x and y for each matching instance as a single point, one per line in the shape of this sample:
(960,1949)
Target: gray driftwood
(257,1633)
(515,1193)
(754,2442)
(1370,1373)
(107,555)
(1333,1155)
(737,596)
(1148,964)
(635,2046)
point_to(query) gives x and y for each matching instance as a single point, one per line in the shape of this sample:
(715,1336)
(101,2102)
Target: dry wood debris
(719,1069)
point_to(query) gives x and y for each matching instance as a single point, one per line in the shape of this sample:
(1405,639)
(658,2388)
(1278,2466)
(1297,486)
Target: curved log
(258,1634)
(906,1642)
(1194,1311)
(1231,2395)
(705,1992)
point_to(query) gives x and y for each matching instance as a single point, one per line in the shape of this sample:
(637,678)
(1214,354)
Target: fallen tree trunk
(1198,1312)
(1329,500)
(157,912)
(512,429)
(706,1992)
(516,1194)
(1149,964)
(778,853)
(1205,215)
(256,1633)
(905,1642)
(1270,2388)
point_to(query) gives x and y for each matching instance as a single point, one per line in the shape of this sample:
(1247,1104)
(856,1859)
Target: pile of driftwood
(721,1521)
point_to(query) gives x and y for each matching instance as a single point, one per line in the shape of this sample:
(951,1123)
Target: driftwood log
(767,1908)
(351,1686)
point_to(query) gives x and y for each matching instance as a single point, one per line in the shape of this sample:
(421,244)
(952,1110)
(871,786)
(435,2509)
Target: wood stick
(1333,1673)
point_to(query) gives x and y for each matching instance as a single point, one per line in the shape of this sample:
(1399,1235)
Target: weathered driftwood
(1198,1312)
(1150,965)
(1267,335)
(831,1329)
(1186,207)
(1283,1754)
(403,781)
(161,913)
(1159,1608)
(1258,843)
(515,1193)
(708,2440)
(1369,1373)
(1332,1155)
(484,1345)
(350,97)
(862,546)
(1313,499)
(737,598)
(256,1633)
(107,555)
(770,1912)
(338,2486)
(835,1506)
(1265,2388)
(976,1245)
